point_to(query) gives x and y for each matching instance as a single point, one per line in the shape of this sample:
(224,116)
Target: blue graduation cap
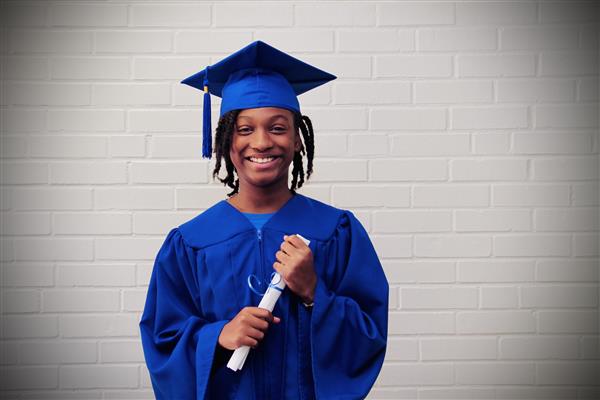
(258,75)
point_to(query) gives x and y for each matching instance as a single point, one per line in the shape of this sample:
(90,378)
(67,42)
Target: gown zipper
(262,272)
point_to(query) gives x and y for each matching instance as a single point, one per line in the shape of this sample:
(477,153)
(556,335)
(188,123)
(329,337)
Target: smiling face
(262,147)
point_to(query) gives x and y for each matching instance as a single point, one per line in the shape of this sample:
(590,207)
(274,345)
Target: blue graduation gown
(333,350)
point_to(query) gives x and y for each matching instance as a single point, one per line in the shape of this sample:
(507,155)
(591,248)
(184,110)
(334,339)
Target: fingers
(294,241)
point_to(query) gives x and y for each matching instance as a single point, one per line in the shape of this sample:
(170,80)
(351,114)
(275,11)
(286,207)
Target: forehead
(265,113)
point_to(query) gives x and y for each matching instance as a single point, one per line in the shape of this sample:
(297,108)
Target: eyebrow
(270,119)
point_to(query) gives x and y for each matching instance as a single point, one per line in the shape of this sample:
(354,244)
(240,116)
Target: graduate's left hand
(296,266)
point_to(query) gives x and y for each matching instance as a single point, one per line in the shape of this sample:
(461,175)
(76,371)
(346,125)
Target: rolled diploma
(236,362)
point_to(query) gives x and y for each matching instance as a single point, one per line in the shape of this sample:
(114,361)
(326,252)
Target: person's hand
(247,328)
(296,266)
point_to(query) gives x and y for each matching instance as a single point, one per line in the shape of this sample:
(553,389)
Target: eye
(244,130)
(279,129)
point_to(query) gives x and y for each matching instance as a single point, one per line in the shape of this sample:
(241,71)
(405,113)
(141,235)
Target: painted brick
(57,198)
(81,300)
(419,271)
(134,198)
(374,41)
(566,271)
(528,195)
(431,145)
(489,117)
(370,196)
(122,351)
(423,323)
(368,145)
(472,348)
(158,223)
(47,94)
(50,41)
(327,15)
(574,219)
(95,275)
(439,298)
(552,143)
(109,94)
(58,352)
(92,223)
(127,146)
(454,195)
(500,297)
(496,374)
(492,220)
(68,146)
(410,118)
(211,41)
(569,116)
(538,348)
(88,15)
(22,173)
(81,326)
(415,13)
(413,66)
(495,271)
(408,170)
(496,322)
(407,221)
(24,67)
(169,172)
(34,326)
(199,198)
(20,301)
(171,15)
(457,39)
(28,378)
(392,246)
(532,245)
(54,249)
(571,168)
(86,120)
(496,13)
(99,376)
(176,147)
(246,15)
(488,170)
(495,65)
(130,248)
(453,92)
(539,90)
(133,42)
(88,173)
(539,38)
(299,41)
(173,67)
(568,63)
(83,68)
(372,93)
(25,223)
(559,296)
(27,275)
(453,246)
(567,321)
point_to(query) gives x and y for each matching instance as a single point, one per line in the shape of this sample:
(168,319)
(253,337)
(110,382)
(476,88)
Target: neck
(252,199)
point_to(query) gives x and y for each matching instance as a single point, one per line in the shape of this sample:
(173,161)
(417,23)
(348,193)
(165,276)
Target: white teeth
(262,160)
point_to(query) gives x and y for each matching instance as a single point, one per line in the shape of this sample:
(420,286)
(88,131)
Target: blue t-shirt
(258,220)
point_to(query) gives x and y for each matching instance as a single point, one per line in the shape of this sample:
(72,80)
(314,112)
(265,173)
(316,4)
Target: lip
(266,165)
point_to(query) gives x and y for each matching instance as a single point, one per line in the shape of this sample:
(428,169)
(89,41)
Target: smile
(261,160)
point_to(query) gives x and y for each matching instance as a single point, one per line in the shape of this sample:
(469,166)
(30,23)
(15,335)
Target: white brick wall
(463,134)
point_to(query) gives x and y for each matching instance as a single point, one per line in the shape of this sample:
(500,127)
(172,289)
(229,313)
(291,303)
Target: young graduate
(326,337)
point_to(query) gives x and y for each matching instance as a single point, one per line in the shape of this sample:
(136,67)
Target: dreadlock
(223,138)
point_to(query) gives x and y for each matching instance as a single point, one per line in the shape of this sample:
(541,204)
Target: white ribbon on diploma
(236,362)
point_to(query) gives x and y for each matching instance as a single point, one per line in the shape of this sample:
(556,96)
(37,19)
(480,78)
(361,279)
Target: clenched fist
(295,264)
(247,328)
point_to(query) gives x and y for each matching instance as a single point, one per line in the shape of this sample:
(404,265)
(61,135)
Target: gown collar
(300,214)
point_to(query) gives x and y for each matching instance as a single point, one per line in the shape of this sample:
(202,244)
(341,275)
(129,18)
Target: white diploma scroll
(236,362)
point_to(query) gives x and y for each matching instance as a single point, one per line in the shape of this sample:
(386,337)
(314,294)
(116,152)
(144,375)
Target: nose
(261,140)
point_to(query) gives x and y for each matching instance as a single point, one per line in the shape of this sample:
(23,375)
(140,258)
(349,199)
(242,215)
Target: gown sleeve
(350,316)
(179,343)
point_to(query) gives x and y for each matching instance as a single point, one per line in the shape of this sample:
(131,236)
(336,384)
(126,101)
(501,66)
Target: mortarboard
(258,75)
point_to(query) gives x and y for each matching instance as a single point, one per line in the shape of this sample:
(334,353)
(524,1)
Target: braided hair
(223,139)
